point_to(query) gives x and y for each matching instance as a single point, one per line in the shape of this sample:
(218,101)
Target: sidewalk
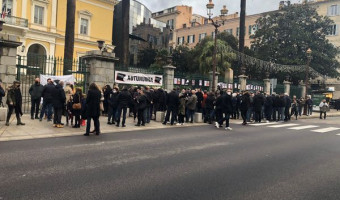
(35,129)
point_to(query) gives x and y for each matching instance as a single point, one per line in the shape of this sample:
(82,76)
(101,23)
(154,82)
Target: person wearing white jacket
(323,108)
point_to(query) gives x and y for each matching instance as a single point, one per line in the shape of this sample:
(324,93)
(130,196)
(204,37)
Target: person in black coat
(199,95)
(35,92)
(107,93)
(58,102)
(172,107)
(113,106)
(93,108)
(218,106)
(244,105)
(77,98)
(47,100)
(124,99)
(288,104)
(257,106)
(226,109)
(141,105)
(209,107)
(2,93)
(268,107)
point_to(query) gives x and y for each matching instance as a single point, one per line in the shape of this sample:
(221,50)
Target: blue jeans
(282,113)
(112,114)
(146,114)
(309,110)
(119,113)
(249,113)
(190,114)
(46,109)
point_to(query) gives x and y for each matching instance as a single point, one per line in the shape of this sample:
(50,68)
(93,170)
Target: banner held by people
(138,78)
(66,79)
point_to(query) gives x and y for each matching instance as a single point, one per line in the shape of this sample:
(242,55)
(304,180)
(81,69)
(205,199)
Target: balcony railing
(16,21)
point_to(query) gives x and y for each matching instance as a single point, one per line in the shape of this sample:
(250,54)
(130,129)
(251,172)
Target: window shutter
(250,27)
(329,10)
(337,10)
(193,39)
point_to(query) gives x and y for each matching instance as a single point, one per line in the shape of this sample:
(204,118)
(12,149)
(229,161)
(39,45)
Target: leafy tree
(283,37)
(182,57)
(147,57)
(223,56)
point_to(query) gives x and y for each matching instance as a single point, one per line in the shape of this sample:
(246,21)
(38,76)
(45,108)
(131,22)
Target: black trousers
(324,115)
(180,118)
(258,116)
(77,120)
(244,116)
(57,115)
(141,117)
(96,124)
(35,104)
(10,111)
(173,112)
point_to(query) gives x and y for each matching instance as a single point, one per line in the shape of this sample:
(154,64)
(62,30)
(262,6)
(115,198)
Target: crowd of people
(58,99)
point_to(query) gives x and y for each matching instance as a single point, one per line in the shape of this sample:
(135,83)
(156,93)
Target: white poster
(138,78)
(67,79)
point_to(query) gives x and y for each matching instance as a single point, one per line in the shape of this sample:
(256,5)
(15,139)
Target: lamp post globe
(210,7)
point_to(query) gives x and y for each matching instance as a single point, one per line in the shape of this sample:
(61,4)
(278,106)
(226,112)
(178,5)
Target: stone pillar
(229,76)
(169,75)
(101,67)
(267,86)
(211,80)
(287,87)
(303,89)
(8,53)
(243,82)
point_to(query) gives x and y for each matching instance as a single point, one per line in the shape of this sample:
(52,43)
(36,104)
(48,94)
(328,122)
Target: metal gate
(31,66)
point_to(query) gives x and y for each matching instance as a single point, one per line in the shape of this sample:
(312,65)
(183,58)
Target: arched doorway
(36,59)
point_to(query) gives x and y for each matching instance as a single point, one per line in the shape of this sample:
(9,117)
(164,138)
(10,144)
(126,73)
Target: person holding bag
(77,106)
(323,109)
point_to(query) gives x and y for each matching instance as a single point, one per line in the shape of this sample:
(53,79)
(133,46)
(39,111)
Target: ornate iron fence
(32,66)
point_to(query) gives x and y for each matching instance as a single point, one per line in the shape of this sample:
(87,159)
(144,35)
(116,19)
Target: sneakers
(228,129)
(217,125)
(60,126)
(178,124)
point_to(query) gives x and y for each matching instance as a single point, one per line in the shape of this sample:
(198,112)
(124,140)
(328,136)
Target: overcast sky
(253,6)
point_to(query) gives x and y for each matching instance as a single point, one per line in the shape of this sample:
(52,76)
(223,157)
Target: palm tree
(224,56)
(69,36)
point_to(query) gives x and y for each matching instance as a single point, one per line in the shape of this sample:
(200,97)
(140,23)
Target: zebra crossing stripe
(338,134)
(264,124)
(303,127)
(325,130)
(282,125)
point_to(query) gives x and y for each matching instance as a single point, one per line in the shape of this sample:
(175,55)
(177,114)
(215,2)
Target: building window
(191,39)
(253,29)
(84,26)
(230,31)
(171,23)
(7,7)
(237,31)
(184,25)
(333,10)
(201,36)
(38,15)
(333,30)
(180,40)
(213,34)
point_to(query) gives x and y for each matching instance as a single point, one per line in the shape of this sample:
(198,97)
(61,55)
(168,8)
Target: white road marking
(325,130)
(264,124)
(303,127)
(282,125)
(338,134)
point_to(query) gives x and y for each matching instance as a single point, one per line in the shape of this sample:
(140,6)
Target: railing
(16,21)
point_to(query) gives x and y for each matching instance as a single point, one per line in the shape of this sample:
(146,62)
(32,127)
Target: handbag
(77,106)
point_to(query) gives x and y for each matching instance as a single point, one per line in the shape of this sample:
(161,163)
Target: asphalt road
(253,162)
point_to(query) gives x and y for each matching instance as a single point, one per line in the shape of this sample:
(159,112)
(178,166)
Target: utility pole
(69,36)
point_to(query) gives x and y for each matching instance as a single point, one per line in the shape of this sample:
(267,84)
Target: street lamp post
(309,58)
(224,12)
